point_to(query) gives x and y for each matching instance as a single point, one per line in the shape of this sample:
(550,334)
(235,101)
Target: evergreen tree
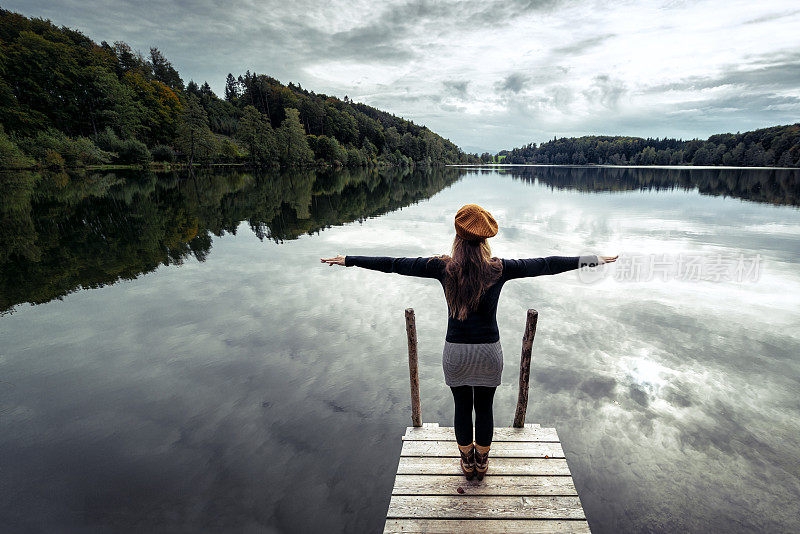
(163,71)
(257,135)
(194,135)
(292,143)
(231,88)
(205,90)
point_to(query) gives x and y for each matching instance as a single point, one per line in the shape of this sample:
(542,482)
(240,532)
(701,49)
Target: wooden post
(525,368)
(413,371)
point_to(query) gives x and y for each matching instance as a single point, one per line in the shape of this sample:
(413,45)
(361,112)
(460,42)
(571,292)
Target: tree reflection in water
(60,232)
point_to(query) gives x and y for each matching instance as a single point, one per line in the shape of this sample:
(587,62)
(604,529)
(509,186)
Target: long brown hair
(469,271)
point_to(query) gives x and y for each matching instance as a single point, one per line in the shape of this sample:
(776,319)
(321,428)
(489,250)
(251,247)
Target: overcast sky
(487,74)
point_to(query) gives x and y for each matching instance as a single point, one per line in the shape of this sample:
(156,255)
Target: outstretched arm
(406,266)
(550,265)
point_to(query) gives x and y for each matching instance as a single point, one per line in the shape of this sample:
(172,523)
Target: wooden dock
(528,487)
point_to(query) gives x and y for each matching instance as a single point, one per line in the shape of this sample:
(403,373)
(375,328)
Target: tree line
(778,146)
(66,101)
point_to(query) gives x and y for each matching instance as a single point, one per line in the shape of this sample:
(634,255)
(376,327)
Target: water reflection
(241,386)
(776,186)
(61,232)
(65,231)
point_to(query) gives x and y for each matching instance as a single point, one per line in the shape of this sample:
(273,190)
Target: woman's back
(480,326)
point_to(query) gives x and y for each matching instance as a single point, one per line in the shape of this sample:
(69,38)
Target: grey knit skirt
(472,364)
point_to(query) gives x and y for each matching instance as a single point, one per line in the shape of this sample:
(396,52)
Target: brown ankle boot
(468,460)
(481,460)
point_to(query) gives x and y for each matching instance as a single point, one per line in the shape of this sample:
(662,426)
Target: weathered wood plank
(482,526)
(443,433)
(525,368)
(500,449)
(491,485)
(413,367)
(417,465)
(484,507)
(524,491)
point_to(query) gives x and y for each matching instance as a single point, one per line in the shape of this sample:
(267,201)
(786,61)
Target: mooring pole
(413,370)
(525,368)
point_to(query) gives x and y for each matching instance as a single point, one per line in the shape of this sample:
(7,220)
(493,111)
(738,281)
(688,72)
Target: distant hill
(778,146)
(68,101)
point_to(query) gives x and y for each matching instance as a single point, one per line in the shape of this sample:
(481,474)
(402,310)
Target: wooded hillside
(68,101)
(778,146)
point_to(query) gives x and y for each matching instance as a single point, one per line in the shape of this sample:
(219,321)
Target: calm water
(174,357)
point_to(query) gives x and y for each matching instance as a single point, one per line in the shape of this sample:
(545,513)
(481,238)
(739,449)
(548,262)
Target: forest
(778,146)
(66,101)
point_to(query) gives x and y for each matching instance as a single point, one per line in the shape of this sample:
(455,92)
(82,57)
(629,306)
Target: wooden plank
(525,368)
(523,491)
(484,507)
(500,449)
(491,485)
(444,433)
(421,465)
(482,526)
(413,367)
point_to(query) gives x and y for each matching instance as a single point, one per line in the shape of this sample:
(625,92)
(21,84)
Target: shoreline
(179,166)
(608,165)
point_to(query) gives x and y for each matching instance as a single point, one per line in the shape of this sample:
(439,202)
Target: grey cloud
(555,380)
(385,38)
(514,82)
(599,387)
(639,396)
(739,109)
(526,107)
(775,71)
(582,45)
(772,16)
(390,36)
(679,396)
(364,44)
(561,96)
(606,90)
(459,87)
(500,12)
(390,99)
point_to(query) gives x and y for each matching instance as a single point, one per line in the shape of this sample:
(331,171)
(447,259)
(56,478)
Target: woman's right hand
(608,259)
(336,260)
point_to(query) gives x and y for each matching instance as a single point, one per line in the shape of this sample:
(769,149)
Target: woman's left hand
(337,260)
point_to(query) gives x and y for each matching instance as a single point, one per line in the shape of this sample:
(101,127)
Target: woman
(472,358)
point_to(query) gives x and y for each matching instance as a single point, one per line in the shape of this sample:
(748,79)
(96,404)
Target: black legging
(467,398)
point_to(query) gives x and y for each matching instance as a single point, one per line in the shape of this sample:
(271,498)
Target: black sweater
(480,326)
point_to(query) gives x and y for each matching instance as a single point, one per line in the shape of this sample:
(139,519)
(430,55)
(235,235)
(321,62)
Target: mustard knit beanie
(473,222)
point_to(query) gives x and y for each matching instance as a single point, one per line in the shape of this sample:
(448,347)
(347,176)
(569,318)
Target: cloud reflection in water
(261,391)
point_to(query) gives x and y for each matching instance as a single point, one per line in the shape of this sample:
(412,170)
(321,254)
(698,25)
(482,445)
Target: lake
(174,356)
